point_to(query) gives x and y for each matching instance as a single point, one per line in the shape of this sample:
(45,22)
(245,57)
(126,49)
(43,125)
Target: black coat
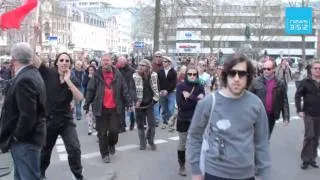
(311,97)
(23,112)
(279,96)
(168,82)
(127,73)
(95,92)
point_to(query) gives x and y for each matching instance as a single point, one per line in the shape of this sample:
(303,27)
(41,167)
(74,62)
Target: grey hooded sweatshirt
(238,137)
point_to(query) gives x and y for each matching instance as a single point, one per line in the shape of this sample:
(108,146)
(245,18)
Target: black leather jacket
(279,96)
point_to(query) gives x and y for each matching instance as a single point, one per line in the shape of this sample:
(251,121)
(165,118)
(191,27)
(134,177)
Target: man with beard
(108,93)
(126,72)
(147,93)
(233,125)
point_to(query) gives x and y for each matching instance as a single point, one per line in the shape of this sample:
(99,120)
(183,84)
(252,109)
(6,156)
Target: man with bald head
(127,72)
(273,94)
(107,91)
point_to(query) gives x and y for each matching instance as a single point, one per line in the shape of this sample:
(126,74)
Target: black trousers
(211,177)
(107,126)
(272,122)
(311,138)
(123,118)
(141,116)
(67,130)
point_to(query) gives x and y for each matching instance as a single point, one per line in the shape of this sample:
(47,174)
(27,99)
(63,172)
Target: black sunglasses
(192,74)
(158,56)
(241,74)
(66,60)
(268,69)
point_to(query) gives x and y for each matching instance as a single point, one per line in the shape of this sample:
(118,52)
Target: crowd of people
(202,100)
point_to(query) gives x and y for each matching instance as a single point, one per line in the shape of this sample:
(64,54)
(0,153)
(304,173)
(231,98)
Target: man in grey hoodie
(238,133)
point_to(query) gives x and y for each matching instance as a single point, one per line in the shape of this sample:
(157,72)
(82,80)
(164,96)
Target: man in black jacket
(22,124)
(167,83)
(127,71)
(273,94)
(108,93)
(309,90)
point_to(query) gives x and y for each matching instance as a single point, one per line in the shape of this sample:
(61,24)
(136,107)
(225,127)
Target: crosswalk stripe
(59,141)
(91,155)
(63,157)
(127,147)
(176,138)
(61,148)
(160,141)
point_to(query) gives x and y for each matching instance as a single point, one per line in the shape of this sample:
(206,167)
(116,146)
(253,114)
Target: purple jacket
(187,106)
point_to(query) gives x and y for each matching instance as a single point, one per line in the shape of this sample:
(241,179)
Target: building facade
(204,27)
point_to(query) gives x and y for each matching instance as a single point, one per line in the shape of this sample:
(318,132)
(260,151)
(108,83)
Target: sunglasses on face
(192,74)
(64,60)
(158,56)
(267,69)
(233,73)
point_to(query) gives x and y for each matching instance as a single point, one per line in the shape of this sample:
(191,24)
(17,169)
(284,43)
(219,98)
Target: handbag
(206,135)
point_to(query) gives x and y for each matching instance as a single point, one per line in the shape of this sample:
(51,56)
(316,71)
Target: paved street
(130,163)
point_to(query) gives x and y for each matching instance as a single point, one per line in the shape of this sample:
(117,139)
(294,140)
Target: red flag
(13,19)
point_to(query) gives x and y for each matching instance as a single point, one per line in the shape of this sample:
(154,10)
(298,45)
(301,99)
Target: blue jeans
(26,160)
(156,112)
(78,109)
(168,106)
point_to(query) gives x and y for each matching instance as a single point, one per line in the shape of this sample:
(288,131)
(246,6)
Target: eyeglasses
(65,60)
(158,56)
(268,69)
(233,73)
(165,61)
(192,74)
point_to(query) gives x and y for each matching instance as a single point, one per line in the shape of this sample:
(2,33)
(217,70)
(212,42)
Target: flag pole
(36,28)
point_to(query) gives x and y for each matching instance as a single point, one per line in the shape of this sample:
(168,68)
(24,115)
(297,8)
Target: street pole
(156,29)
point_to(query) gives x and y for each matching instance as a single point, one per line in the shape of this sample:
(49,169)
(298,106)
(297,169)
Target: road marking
(127,147)
(293,103)
(61,148)
(59,141)
(91,155)
(176,138)
(318,152)
(63,157)
(160,141)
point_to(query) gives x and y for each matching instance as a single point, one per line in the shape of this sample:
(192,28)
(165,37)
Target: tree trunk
(156,29)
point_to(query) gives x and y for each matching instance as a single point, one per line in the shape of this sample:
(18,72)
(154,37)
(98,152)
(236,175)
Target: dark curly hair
(58,56)
(231,62)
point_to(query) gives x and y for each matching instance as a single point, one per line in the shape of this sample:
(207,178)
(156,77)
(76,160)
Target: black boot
(182,161)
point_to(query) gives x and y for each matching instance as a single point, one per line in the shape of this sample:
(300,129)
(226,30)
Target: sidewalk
(5,164)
